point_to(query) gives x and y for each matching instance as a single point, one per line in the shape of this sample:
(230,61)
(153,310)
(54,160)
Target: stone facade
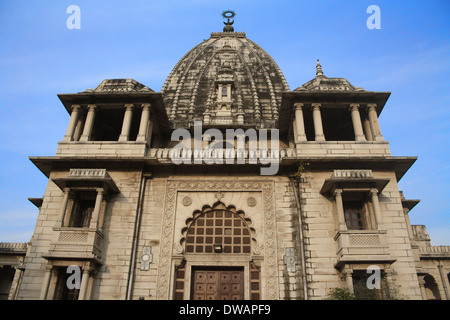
(129,219)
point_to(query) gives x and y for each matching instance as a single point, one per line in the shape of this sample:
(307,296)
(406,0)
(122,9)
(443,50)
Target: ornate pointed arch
(218,225)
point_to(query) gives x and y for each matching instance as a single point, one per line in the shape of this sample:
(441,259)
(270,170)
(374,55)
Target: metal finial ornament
(228,14)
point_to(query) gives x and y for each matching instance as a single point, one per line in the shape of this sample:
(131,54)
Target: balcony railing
(362,245)
(435,252)
(76,243)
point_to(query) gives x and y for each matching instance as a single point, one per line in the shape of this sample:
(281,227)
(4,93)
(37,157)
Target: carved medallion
(251,202)
(187,201)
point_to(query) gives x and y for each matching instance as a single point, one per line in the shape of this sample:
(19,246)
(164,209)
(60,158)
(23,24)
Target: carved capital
(76,108)
(316,106)
(146,106)
(298,106)
(338,192)
(371,107)
(129,107)
(354,107)
(92,107)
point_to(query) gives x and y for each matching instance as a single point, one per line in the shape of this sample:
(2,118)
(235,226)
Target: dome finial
(228,14)
(319,71)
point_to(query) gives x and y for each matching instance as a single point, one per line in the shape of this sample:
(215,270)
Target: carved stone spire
(319,71)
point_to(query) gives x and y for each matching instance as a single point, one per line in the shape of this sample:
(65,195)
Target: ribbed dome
(225,80)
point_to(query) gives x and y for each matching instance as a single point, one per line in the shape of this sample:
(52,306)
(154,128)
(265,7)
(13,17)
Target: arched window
(218,230)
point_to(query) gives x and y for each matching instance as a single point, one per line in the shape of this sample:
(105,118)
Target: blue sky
(40,57)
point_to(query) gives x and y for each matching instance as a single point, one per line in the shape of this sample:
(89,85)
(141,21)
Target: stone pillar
(46,282)
(376,208)
(373,119)
(317,118)
(367,129)
(143,126)
(229,92)
(126,125)
(97,207)
(299,122)
(340,210)
(80,126)
(389,280)
(423,291)
(89,124)
(408,225)
(72,123)
(444,280)
(219,92)
(84,284)
(356,120)
(348,279)
(63,207)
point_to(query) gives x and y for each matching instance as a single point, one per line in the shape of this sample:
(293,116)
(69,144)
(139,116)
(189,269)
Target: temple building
(122,219)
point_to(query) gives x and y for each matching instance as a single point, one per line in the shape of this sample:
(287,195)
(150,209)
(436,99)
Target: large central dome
(225,80)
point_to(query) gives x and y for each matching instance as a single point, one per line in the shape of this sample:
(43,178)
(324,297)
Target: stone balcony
(343,148)
(76,243)
(101,148)
(362,246)
(434,252)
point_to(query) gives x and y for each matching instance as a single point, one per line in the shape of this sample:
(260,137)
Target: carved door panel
(220,284)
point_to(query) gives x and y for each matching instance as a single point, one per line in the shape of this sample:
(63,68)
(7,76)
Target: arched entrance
(431,288)
(217,263)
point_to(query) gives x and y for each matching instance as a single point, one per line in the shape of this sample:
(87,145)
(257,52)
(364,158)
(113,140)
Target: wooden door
(218,284)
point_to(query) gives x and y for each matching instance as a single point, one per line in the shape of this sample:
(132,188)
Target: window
(355,217)
(218,227)
(224,91)
(83,206)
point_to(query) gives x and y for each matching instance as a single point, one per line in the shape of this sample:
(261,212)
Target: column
(219,92)
(79,127)
(444,280)
(389,280)
(126,125)
(72,123)
(349,279)
(423,291)
(376,208)
(373,119)
(408,225)
(46,282)
(84,284)
(229,92)
(63,207)
(340,210)
(143,126)
(356,120)
(97,207)
(89,124)
(299,122)
(317,119)
(367,129)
